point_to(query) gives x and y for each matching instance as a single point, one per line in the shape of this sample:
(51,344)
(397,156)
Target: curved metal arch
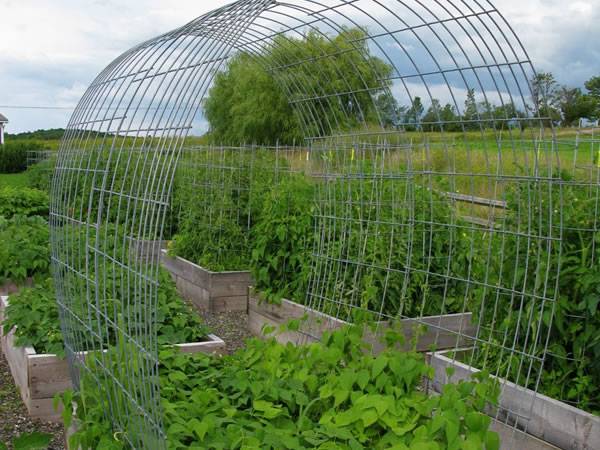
(118,159)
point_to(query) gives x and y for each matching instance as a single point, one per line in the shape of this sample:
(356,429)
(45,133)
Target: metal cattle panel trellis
(413,111)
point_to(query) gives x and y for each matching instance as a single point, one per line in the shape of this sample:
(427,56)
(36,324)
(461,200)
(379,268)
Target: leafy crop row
(24,248)
(34,313)
(23,202)
(329,395)
(218,202)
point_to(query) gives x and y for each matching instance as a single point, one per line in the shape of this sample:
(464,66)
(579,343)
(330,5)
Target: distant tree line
(39,135)
(564,104)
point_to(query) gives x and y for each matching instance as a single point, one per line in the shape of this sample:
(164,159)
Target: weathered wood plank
(548,419)
(513,439)
(47,375)
(434,332)
(482,201)
(316,323)
(225,304)
(214,345)
(212,291)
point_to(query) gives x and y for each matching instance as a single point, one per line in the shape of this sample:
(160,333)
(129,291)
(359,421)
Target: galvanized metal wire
(416,215)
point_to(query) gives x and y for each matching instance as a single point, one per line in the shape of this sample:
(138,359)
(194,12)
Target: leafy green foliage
(30,441)
(219,211)
(250,100)
(34,313)
(283,240)
(13,155)
(329,395)
(23,201)
(39,175)
(24,248)
(568,269)
(52,134)
(246,104)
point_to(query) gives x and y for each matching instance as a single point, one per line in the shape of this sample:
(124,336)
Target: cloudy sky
(50,50)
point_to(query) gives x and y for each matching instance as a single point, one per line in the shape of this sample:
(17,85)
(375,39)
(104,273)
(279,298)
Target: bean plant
(34,316)
(333,395)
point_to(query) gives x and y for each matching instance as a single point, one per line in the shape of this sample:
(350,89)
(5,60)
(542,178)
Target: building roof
(3,118)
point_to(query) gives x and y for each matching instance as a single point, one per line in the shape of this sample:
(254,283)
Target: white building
(3,122)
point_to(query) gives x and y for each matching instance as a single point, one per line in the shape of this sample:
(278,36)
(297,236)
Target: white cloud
(50,50)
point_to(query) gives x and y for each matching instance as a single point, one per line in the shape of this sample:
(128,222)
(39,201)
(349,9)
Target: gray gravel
(13,416)
(232,327)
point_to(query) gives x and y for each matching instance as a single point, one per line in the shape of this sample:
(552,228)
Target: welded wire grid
(38,156)
(455,213)
(219,191)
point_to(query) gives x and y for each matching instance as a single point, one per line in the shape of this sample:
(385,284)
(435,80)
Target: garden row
(372,401)
(270,224)
(284,229)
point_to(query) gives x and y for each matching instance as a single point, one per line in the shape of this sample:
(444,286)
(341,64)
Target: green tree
(544,89)
(432,117)
(471,114)
(414,114)
(245,104)
(574,104)
(316,85)
(593,86)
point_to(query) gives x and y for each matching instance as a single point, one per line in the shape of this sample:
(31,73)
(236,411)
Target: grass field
(473,162)
(13,180)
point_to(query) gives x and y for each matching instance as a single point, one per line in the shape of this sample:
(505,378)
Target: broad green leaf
(32,441)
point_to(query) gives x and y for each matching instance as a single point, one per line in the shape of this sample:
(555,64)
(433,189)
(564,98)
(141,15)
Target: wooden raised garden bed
(445,332)
(207,290)
(557,424)
(40,377)
(9,287)
(261,314)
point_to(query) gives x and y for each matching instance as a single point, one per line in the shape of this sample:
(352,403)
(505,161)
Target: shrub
(39,175)
(23,201)
(13,155)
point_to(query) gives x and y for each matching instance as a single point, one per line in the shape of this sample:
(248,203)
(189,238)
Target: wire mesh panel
(437,192)
(219,193)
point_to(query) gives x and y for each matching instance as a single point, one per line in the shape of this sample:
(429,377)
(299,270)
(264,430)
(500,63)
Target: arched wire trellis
(416,217)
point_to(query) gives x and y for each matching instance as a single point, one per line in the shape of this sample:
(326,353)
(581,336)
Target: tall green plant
(283,240)
(24,248)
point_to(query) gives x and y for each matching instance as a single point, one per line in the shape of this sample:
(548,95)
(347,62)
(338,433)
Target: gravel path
(232,327)
(13,415)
